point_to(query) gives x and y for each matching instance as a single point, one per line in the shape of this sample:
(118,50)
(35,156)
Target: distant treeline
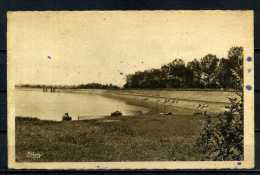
(81,86)
(96,86)
(206,72)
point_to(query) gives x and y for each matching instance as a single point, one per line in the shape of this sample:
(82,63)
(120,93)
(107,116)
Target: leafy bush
(223,139)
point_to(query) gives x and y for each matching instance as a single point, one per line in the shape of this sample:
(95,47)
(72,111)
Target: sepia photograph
(130,89)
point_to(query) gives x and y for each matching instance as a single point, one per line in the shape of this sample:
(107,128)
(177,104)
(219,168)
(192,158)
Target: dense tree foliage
(207,72)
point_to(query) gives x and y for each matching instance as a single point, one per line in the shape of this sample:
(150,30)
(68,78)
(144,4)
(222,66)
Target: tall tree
(209,65)
(194,74)
(224,73)
(175,72)
(235,56)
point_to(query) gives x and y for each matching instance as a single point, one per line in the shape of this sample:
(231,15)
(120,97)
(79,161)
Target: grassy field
(137,138)
(143,137)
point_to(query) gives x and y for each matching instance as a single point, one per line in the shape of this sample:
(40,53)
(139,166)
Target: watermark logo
(33,155)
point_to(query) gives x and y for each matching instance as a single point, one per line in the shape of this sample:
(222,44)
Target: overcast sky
(83,47)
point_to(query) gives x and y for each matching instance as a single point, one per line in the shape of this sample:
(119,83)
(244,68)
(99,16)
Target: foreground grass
(147,137)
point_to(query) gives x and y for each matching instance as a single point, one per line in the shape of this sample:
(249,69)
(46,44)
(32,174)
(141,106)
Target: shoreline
(154,103)
(157,103)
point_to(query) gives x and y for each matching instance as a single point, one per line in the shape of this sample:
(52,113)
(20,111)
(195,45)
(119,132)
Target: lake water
(52,105)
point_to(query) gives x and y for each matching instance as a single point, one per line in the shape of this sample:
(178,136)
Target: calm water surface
(51,106)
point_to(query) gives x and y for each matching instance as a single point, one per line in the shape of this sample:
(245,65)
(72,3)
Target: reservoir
(52,105)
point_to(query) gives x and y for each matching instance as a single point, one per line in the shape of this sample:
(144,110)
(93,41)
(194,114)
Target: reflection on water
(51,106)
